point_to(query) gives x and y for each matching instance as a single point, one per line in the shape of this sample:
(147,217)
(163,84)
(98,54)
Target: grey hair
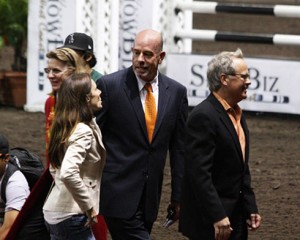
(221,64)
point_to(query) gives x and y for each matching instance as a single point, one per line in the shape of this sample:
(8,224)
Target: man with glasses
(217,199)
(17,191)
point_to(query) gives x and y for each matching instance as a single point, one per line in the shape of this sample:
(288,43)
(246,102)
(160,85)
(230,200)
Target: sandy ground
(274,163)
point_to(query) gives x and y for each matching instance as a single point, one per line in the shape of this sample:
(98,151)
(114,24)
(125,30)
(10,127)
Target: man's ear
(223,79)
(88,99)
(161,56)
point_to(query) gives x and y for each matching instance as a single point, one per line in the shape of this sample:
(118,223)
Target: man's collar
(141,83)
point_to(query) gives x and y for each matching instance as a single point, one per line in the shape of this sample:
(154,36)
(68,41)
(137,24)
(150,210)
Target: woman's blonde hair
(74,63)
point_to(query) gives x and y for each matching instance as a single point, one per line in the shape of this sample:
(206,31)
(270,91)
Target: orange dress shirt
(235,114)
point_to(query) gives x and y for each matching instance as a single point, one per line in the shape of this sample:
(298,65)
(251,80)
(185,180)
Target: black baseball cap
(4,146)
(79,41)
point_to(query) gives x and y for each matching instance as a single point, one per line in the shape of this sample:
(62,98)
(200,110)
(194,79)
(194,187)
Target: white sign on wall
(49,22)
(135,15)
(274,83)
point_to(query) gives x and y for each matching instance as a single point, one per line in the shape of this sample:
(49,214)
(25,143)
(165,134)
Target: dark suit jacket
(216,177)
(134,167)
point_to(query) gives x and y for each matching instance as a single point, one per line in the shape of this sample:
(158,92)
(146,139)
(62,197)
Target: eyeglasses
(243,76)
(54,70)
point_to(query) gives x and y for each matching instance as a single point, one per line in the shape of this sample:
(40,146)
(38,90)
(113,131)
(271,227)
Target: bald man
(136,150)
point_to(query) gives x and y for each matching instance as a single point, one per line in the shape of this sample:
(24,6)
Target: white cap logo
(71,38)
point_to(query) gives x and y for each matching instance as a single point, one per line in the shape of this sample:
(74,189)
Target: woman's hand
(92,217)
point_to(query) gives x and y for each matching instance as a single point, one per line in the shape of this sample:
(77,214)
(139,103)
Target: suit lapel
(163,99)
(228,124)
(132,92)
(245,129)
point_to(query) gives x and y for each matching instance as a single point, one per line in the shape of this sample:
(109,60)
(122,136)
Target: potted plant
(13,42)
(13,29)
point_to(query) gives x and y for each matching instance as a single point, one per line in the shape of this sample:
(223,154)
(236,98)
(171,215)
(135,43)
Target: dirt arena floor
(275,166)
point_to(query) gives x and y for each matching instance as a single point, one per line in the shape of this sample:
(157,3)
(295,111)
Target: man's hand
(172,215)
(254,221)
(175,206)
(222,229)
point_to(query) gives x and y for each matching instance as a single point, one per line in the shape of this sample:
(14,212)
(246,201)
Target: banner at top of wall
(274,83)
(135,15)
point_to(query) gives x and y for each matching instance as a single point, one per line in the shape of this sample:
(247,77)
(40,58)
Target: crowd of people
(107,141)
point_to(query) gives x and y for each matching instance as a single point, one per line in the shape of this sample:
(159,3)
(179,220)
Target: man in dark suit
(136,152)
(217,198)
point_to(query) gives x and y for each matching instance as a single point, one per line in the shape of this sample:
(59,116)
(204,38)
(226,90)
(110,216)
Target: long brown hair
(71,108)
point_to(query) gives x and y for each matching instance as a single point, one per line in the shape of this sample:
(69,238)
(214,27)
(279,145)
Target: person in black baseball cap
(84,46)
(79,41)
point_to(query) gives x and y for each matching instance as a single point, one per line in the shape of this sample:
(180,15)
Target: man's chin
(141,72)
(143,76)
